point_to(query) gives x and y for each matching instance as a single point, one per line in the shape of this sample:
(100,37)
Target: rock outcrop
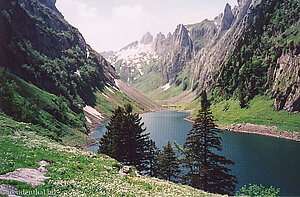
(287,82)
(129,46)
(125,171)
(227,18)
(28,175)
(181,37)
(210,57)
(159,42)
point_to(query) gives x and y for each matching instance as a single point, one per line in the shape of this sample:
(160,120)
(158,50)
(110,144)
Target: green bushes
(257,190)
(26,103)
(12,103)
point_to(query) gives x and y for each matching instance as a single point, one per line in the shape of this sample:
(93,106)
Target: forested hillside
(49,73)
(272,34)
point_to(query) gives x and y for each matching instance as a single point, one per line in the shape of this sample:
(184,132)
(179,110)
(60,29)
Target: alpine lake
(258,159)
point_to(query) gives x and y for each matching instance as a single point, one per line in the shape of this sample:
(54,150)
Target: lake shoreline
(95,122)
(271,131)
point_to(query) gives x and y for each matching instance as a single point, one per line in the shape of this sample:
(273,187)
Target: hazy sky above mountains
(112,24)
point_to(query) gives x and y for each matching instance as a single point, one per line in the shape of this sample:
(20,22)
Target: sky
(112,24)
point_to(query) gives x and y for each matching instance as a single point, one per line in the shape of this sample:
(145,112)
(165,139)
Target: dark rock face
(44,27)
(202,33)
(146,39)
(174,52)
(227,18)
(40,35)
(51,4)
(220,46)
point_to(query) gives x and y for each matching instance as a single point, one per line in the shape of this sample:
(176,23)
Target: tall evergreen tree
(168,163)
(110,143)
(205,169)
(125,139)
(152,156)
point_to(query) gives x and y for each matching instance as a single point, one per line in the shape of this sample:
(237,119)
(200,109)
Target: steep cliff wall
(50,76)
(269,43)
(287,82)
(42,48)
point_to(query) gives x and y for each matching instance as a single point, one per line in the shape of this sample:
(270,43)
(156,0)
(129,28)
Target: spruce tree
(111,143)
(205,169)
(152,156)
(125,139)
(168,164)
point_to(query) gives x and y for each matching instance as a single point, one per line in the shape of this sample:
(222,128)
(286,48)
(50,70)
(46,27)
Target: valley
(211,55)
(59,97)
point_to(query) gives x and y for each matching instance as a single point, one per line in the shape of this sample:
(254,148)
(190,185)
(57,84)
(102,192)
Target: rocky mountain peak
(159,42)
(227,19)
(169,36)
(181,36)
(160,36)
(146,39)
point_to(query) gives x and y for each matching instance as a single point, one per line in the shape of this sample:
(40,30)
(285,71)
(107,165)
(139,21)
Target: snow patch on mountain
(166,87)
(132,60)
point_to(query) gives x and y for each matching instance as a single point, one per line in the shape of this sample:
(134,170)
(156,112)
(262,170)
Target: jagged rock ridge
(195,54)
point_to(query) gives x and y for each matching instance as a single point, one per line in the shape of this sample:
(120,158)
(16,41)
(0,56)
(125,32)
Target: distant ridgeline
(248,50)
(48,72)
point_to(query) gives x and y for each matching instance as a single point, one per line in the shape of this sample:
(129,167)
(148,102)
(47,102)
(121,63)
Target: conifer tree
(205,169)
(125,139)
(111,142)
(152,156)
(168,164)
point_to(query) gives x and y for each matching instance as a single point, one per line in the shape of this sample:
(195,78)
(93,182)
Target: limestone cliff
(287,82)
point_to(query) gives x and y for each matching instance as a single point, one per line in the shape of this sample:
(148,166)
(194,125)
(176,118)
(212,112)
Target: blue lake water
(258,159)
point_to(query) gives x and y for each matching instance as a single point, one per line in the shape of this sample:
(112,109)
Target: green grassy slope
(260,111)
(109,99)
(74,172)
(25,102)
(151,80)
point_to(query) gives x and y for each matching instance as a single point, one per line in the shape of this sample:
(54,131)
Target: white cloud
(77,10)
(112,24)
(84,10)
(129,12)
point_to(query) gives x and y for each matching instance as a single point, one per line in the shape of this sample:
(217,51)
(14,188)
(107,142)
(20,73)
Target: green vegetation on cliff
(49,74)
(273,30)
